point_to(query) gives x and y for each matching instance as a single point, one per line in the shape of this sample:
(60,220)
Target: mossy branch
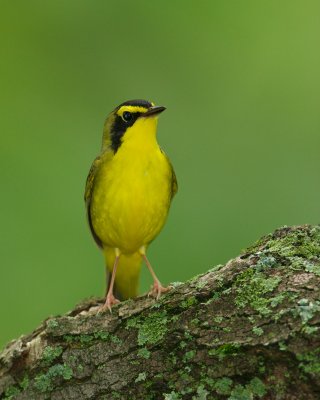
(245,330)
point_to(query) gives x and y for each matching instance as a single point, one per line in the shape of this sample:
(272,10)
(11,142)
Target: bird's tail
(128,272)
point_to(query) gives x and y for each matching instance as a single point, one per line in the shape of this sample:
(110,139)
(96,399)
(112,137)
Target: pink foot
(157,289)
(110,301)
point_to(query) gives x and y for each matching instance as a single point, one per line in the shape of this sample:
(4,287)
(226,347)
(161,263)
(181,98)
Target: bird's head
(131,120)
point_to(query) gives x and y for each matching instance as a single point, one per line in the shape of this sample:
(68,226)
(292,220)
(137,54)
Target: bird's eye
(127,116)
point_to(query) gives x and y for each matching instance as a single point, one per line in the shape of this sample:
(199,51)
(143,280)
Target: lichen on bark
(245,330)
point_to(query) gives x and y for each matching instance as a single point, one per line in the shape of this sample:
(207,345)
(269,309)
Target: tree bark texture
(245,330)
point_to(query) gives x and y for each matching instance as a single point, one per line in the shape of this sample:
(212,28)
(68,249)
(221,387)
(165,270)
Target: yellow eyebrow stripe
(132,109)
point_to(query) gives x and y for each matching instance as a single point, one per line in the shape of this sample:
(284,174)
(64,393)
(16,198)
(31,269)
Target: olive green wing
(174,182)
(88,195)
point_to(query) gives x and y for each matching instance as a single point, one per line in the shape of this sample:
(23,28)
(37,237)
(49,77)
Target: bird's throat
(142,135)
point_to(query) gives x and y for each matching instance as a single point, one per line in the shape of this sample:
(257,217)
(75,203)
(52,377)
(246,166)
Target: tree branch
(245,330)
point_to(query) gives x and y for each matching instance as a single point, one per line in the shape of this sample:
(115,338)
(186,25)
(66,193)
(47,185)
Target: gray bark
(245,330)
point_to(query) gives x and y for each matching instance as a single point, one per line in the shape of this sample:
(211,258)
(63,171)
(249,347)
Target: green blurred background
(241,84)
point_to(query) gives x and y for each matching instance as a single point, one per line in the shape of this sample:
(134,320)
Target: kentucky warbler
(128,194)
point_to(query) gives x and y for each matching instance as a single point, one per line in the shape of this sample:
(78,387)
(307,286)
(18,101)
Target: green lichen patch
(313,268)
(176,284)
(310,330)
(310,362)
(307,309)
(230,349)
(50,353)
(216,268)
(141,377)
(223,386)
(309,265)
(265,261)
(151,329)
(189,355)
(144,353)
(201,393)
(188,335)
(278,299)
(255,247)
(219,323)
(14,390)
(253,390)
(251,287)
(201,284)
(189,302)
(182,344)
(257,387)
(240,393)
(195,322)
(175,318)
(45,382)
(11,392)
(172,396)
(301,242)
(24,383)
(52,324)
(282,346)
(115,339)
(257,330)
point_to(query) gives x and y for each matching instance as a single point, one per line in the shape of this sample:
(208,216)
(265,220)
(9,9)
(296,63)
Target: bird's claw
(157,289)
(110,301)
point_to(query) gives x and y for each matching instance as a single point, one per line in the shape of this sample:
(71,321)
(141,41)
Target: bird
(128,194)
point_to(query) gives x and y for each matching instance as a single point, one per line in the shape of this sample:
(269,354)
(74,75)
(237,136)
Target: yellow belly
(131,198)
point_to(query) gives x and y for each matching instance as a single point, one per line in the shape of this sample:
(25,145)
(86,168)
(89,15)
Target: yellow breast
(132,192)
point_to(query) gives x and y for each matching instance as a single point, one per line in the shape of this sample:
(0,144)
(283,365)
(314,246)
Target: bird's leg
(108,279)
(110,299)
(157,288)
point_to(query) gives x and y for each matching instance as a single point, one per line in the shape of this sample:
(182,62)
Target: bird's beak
(153,111)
